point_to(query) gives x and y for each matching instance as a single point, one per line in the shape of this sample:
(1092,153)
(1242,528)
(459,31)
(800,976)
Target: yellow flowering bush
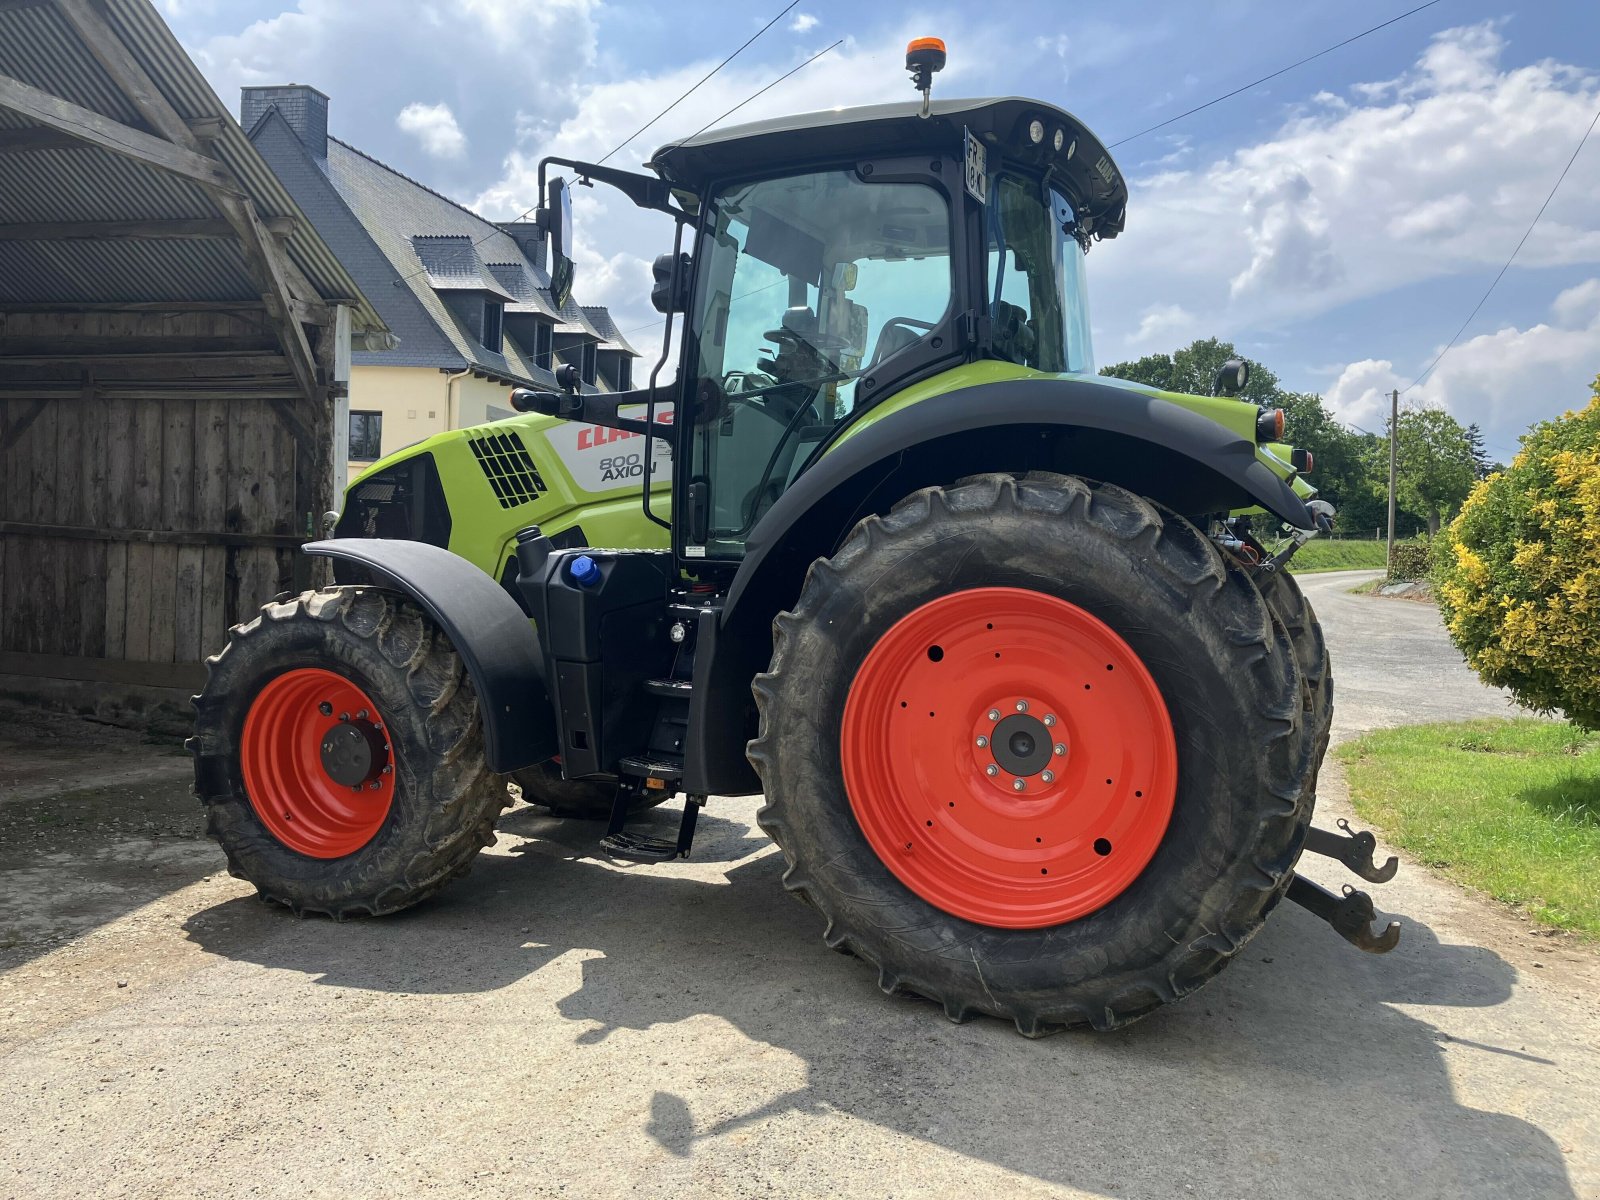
(1518,571)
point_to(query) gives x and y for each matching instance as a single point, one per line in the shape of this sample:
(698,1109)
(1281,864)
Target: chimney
(305,108)
(530,240)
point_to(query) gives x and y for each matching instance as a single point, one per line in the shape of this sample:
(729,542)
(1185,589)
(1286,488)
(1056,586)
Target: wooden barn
(174,341)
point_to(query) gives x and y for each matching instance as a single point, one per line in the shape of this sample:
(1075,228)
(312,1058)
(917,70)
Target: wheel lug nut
(1018,786)
(1061,748)
(991,770)
(1022,706)
(1047,777)
(362,715)
(982,741)
(994,714)
(389,770)
(344,716)
(373,785)
(1050,719)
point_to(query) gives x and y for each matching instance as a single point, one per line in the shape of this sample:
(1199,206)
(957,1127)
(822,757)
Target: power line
(1496,281)
(702,79)
(1265,78)
(423,271)
(766,89)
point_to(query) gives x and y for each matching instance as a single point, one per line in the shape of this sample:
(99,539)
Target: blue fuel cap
(584,571)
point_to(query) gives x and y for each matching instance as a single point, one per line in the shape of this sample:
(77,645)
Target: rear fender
(1077,426)
(497,644)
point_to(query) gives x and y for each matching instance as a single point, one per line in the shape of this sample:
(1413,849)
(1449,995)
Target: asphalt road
(559,1025)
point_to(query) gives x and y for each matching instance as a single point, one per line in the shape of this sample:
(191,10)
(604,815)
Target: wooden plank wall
(114,470)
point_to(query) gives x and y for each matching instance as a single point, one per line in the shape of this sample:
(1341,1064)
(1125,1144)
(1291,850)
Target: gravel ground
(556,1024)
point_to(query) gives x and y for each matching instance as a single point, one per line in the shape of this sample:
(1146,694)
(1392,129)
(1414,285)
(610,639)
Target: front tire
(1145,580)
(339,754)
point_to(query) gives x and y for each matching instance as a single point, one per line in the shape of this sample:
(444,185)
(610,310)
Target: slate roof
(405,244)
(606,327)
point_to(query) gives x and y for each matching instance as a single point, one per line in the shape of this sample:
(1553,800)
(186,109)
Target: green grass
(1510,807)
(1322,554)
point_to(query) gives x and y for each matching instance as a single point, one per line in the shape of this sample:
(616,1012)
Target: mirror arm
(594,409)
(646,191)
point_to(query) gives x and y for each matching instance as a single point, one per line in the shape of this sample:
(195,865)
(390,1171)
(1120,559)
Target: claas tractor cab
(1008,648)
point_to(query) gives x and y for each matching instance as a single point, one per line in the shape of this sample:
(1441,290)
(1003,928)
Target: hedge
(1519,580)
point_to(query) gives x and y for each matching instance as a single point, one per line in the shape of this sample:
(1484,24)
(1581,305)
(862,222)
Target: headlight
(1036,131)
(1060,140)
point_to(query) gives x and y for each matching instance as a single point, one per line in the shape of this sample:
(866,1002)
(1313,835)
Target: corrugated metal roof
(38,47)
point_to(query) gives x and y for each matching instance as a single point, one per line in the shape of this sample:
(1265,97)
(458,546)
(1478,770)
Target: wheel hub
(1020,744)
(1009,757)
(354,752)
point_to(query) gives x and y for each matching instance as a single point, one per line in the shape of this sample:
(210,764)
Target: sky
(1337,224)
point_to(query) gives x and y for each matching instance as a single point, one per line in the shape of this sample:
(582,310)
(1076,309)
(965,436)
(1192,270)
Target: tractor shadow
(1294,1073)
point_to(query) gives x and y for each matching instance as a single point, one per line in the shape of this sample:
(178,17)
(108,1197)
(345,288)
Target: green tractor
(1008,648)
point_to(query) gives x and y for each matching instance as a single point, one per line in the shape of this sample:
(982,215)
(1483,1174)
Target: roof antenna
(924,56)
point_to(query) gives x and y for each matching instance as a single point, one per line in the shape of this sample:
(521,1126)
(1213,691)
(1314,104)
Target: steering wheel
(888,345)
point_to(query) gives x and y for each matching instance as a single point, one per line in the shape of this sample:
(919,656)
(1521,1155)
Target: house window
(493,315)
(624,372)
(542,337)
(588,361)
(366,436)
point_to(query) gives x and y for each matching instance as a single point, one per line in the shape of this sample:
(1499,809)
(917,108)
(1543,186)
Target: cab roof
(1083,164)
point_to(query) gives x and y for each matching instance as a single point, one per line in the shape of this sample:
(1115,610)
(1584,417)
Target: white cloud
(1502,380)
(434,126)
(1433,174)
(1162,326)
(802,23)
(369,61)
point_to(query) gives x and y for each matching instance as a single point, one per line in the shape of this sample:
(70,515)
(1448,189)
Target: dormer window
(542,338)
(493,325)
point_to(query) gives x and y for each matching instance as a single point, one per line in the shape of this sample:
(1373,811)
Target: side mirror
(664,296)
(1231,378)
(556,218)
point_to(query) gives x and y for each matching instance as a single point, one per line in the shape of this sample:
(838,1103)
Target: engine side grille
(508,467)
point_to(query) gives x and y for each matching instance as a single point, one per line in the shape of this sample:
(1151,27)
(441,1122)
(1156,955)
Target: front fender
(488,629)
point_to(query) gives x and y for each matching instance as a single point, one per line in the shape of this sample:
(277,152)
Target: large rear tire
(339,754)
(923,865)
(1289,604)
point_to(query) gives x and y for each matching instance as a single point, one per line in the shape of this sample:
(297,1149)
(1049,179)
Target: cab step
(638,847)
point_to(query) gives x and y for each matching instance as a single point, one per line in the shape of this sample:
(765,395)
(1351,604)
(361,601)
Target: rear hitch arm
(1354,850)
(1351,914)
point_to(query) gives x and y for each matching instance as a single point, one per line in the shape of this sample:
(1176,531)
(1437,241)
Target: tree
(1192,369)
(1519,570)
(1482,465)
(1343,471)
(1436,468)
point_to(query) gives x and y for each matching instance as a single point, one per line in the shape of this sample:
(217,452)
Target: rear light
(1269,425)
(1302,461)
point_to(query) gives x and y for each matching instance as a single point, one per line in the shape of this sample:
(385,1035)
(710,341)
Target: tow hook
(1351,914)
(1354,850)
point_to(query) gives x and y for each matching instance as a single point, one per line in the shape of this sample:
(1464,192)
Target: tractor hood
(791,143)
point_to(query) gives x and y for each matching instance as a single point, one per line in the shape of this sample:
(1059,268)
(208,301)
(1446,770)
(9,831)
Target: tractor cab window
(808,284)
(1038,293)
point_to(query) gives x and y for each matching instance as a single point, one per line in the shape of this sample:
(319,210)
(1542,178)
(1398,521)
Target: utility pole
(1394,442)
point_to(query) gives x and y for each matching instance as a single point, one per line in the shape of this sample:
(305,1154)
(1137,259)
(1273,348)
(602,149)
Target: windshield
(1038,293)
(808,283)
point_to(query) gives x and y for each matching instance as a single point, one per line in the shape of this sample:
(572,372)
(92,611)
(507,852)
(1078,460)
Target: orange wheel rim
(1009,757)
(317,764)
